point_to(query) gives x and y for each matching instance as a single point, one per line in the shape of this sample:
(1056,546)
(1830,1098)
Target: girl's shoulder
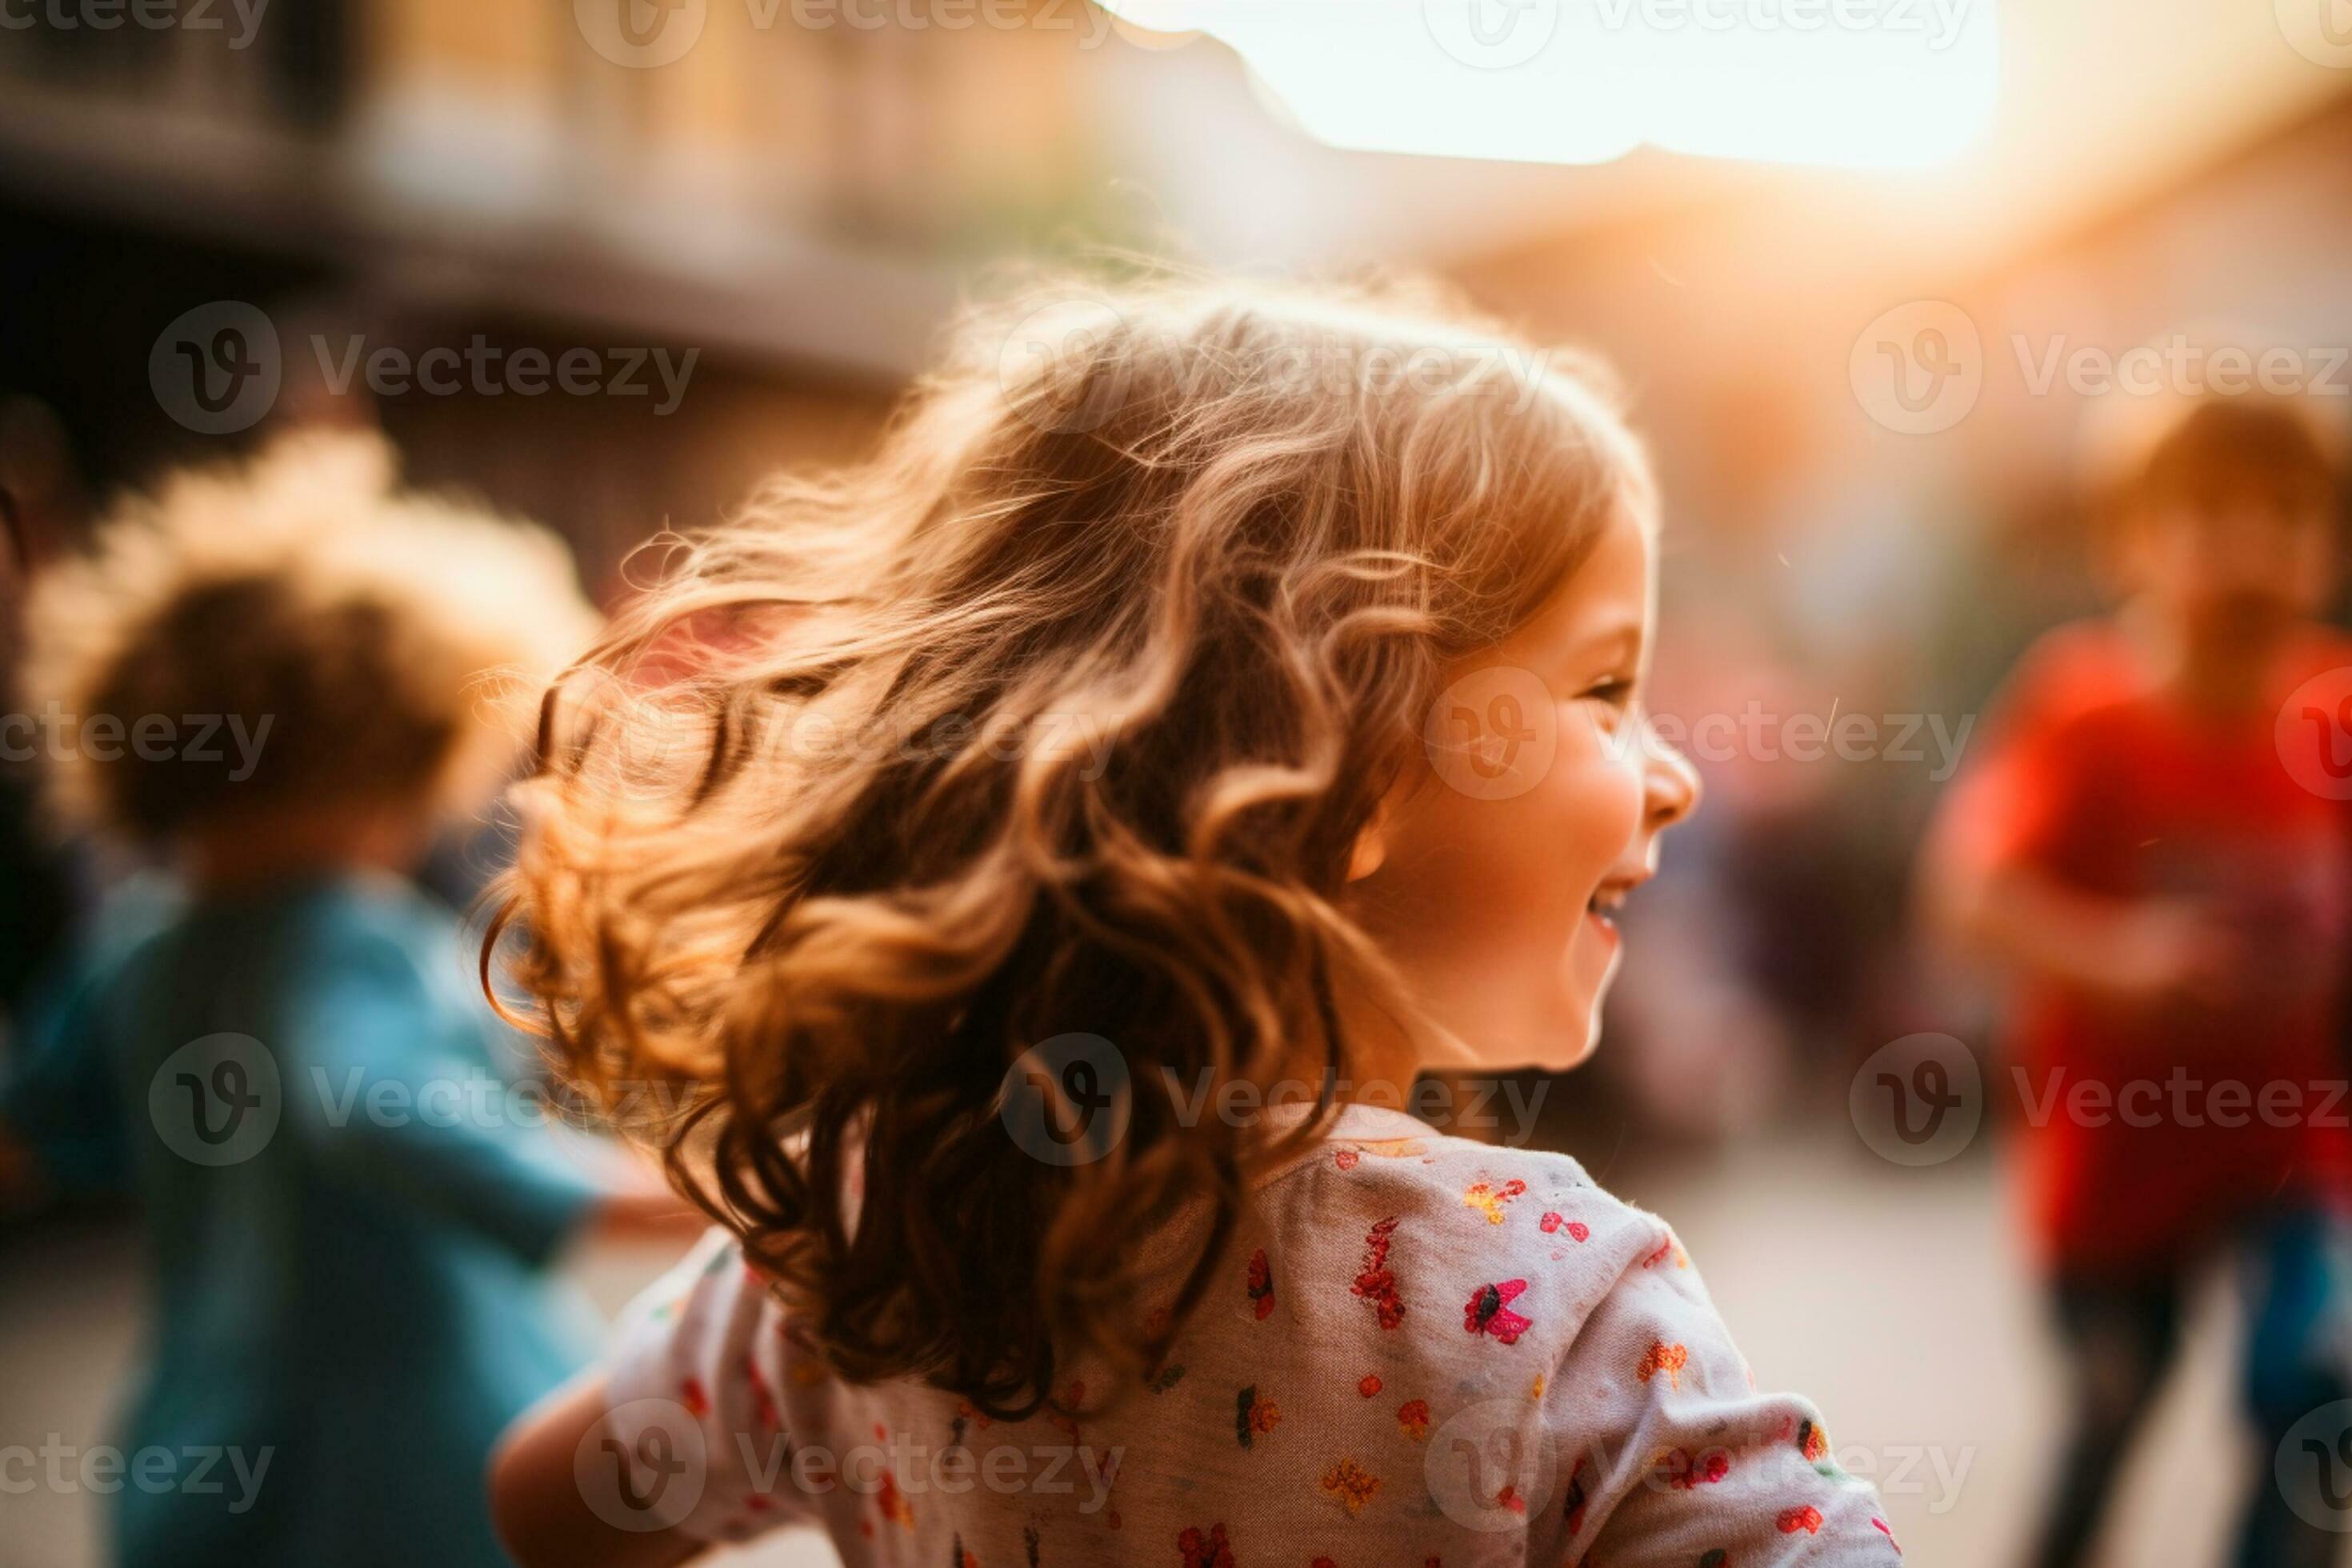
(1375,1158)
(1411,1213)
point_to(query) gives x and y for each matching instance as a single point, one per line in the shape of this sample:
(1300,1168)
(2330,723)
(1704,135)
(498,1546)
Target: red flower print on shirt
(1376,1283)
(1664,1357)
(1350,1484)
(893,1503)
(1718,1558)
(1413,1419)
(1346,1159)
(1260,1284)
(1886,1529)
(1370,1386)
(1686,1473)
(763,1401)
(1577,1499)
(1489,1199)
(696,1401)
(1210,1551)
(1806,1518)
(1253,1416)
(1488,1311)
(1813,1442)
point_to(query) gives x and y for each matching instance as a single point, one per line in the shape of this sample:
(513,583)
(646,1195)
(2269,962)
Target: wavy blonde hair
(382,636)
(1060,715)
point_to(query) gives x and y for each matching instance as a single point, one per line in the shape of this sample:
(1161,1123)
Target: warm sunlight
(1853,83)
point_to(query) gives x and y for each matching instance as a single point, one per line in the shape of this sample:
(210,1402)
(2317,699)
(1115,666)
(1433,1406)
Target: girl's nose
(1671,789)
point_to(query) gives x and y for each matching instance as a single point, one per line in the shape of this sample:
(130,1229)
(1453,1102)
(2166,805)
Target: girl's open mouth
(1608,898)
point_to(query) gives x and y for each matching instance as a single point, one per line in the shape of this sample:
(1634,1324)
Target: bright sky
(1849,83)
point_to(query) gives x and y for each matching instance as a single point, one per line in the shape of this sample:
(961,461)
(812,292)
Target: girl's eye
(1616,692)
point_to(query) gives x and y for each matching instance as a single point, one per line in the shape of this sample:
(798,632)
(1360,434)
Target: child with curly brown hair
(277,679)
(1035,869)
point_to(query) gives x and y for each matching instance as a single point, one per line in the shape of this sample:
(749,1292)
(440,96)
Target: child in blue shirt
(276,1050)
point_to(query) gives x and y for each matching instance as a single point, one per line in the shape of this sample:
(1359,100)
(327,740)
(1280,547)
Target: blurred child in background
(2150,842)
(279,678)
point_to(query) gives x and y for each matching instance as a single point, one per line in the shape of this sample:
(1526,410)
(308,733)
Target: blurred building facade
(791,199)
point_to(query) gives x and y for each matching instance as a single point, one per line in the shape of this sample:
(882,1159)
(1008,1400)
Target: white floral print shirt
(1420,1350)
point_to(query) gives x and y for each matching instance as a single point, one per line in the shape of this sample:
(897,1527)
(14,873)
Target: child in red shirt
(2155,843)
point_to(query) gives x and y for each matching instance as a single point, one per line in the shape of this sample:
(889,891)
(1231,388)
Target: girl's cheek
(1600,780)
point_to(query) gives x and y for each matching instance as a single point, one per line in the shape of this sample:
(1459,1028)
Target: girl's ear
(1371,847)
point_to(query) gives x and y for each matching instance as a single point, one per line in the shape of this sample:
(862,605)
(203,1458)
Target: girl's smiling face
(1535,805)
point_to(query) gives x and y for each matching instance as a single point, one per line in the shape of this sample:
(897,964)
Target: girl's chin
(1568,1042)
(1553,1034)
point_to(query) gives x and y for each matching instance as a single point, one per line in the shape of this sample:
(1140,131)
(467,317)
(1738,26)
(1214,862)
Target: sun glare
(1857,83)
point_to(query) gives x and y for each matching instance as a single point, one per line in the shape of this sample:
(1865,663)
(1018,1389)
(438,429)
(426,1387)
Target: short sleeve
(692,1400)
(2024,782)
(365,1024)
(1670,1458)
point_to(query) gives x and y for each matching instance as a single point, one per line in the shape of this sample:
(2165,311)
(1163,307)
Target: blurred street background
(1857,374)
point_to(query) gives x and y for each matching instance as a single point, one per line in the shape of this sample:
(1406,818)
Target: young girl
(1232,690)
(273,676)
